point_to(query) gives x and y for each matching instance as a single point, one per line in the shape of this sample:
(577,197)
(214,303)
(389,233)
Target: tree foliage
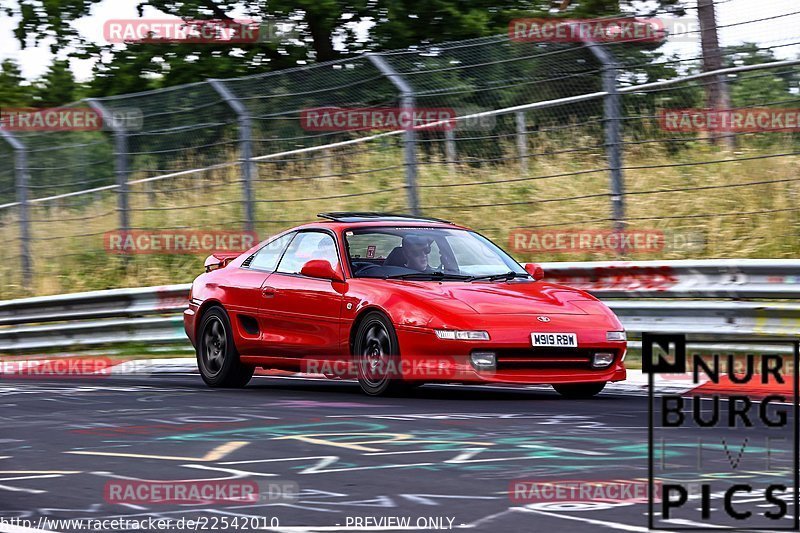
(319,30)
(13,92)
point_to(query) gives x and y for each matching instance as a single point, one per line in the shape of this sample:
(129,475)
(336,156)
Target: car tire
(578,391)
(217,357)
(376,352)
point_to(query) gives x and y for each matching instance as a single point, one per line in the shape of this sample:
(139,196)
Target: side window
(307,246)
(267,257)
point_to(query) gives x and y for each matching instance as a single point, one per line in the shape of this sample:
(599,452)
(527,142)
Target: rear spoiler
(220,260)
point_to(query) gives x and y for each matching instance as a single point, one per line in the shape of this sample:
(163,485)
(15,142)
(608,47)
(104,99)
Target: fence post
(120,161)
(245,150)
(21,174)
(612,117)
(450,149)
(522,141)
(410,148)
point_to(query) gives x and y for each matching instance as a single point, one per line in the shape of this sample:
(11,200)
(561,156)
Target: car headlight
(616,336)
(452,334)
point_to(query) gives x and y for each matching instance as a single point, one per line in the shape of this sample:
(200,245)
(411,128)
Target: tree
(322,30)
(763,87)
(318,24)
(56,87)
(717,93)
(13,92)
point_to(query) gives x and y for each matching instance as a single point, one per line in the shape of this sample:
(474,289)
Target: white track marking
(603,523)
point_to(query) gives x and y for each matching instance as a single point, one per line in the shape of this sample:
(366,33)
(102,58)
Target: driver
(415,251)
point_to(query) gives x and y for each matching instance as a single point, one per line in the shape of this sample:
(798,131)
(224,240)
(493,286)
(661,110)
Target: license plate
(555,340)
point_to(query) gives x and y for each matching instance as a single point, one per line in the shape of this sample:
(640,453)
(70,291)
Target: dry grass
(69,255)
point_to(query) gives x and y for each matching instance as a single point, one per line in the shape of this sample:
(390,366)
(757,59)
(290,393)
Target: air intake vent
(249,324)
(246,262)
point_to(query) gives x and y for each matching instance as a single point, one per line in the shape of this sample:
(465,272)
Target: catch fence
(552,140)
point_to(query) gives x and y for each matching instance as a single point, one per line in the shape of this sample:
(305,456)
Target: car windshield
(441,254)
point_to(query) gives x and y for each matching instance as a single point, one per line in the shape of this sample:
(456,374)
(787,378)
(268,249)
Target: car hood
(500,298)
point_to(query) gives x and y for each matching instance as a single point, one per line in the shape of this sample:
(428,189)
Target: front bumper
(425,357)
(189,322)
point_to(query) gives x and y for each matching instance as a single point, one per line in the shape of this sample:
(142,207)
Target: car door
(245,296)
(301,314)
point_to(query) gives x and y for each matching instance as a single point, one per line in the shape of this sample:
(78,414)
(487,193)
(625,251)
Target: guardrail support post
(408,102)
(21,179)
(120,161)
(245,150)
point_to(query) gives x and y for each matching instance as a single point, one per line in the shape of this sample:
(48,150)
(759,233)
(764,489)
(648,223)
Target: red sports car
(397,301)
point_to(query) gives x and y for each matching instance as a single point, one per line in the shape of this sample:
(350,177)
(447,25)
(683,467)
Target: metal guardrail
(701,298)
(95,304)
(94,318)
(715,278)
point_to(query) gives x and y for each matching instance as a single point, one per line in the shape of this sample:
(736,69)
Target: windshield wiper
(428,275)
(496,277)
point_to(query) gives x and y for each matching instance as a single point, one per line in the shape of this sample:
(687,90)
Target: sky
(780,30)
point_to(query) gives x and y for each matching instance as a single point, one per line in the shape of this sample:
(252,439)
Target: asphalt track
(444,457)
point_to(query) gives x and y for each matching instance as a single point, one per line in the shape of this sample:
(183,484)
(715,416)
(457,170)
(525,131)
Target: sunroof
(365,216)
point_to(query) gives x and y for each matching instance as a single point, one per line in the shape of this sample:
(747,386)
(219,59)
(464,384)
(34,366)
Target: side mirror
(319,268)
(219,260)
(535,270)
